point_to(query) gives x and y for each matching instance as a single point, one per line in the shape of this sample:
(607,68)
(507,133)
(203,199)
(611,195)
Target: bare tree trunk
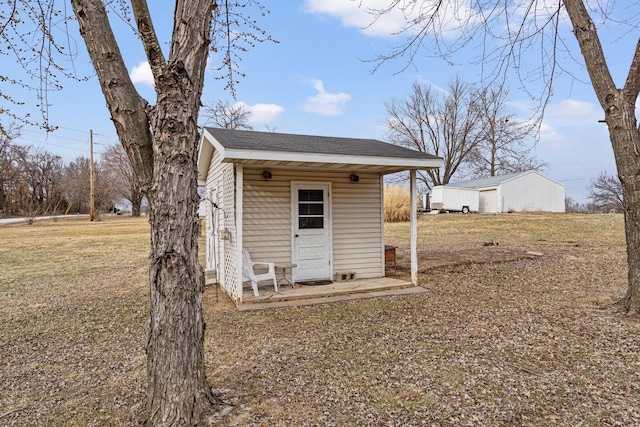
(176,330)
(136,205)
(619,110)
(161,143)
(177,391)
(626,143)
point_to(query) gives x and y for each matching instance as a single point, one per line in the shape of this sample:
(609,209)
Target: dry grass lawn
(501,338)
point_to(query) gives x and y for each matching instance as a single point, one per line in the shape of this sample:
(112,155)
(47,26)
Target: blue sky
(316,81)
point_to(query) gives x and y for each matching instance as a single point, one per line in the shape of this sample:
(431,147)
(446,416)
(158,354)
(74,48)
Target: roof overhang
(301,160)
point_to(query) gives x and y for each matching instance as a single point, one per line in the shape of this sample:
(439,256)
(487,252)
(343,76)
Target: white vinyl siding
(267,216)
(213,190)
(220,180)
(356,214)
(358,225)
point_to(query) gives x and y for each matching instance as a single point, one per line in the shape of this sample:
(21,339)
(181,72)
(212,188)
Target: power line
(54,145)
(80,131)
(48,135)
(47,144)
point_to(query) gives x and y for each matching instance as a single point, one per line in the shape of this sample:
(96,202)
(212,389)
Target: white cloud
(538,14)
(550,136)
(567,122)
(141,73)
(351,15)
(428,83)
(450,17)
(327,104)
(572,108)
(263,113)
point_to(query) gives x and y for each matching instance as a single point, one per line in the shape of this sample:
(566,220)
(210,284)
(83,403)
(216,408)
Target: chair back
(247,266)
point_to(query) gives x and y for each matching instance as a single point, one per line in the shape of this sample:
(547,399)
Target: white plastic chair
(248,273)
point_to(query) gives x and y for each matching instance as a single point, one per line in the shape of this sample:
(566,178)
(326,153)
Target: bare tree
(43,174)
(506,34)
(226,116)
(606,193)
(30,179)
(10,155)
(161,141)
(34,181)
(506,144)
(444,124)
(77,186)
(117,166)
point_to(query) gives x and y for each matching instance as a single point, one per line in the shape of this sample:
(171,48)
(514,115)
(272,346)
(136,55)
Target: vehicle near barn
(452,199)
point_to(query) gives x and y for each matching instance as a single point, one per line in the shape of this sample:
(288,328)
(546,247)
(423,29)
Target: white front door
(311,231)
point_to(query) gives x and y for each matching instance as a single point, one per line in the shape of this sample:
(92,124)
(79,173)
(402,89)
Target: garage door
(488,201)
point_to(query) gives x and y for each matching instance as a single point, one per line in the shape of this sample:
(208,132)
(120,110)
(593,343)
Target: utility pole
(91,189)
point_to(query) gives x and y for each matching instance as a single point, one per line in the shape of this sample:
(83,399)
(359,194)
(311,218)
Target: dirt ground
(456,248)
(517,329)
(518,333)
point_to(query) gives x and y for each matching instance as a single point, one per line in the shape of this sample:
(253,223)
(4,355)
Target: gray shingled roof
(270,141)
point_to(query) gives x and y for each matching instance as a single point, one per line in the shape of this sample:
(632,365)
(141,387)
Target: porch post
(414,227)
(239,226)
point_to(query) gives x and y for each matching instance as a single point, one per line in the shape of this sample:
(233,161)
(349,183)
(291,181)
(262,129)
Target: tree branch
(587,36)
(632,85)
(148,36)
(128,109)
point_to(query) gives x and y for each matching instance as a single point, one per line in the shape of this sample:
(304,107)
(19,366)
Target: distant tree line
(605,196)
(35,182)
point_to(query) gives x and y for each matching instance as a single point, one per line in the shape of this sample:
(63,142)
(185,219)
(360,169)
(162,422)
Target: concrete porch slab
(324,294)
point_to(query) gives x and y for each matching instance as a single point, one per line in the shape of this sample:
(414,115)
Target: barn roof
(272,149)
(490,181)
(494,181)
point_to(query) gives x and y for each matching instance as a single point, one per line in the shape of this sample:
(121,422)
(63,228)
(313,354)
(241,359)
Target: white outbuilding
(311,204)
(516,192)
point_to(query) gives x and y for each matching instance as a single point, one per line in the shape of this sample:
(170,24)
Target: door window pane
(310,222)
(310,195)
(310,209)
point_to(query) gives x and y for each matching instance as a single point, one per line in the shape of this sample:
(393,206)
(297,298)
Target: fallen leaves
(502,338)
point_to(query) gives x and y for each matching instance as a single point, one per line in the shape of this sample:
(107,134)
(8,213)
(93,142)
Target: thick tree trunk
(177,392)
(626,148)
(136,207)
(162,145)
(136,201)
(619,110)
(176,334)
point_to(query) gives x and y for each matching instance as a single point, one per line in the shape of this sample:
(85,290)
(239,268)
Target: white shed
(516,192)
(313,201)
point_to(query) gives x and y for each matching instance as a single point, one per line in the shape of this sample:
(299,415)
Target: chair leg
(275,284)
(254,286)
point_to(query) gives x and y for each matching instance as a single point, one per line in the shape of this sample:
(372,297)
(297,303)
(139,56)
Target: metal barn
(516,192)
